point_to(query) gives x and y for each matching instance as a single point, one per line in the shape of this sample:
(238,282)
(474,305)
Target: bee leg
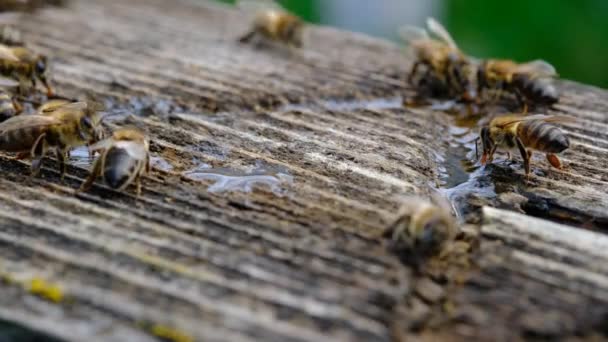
(18,107)
(86,185)
(554,161)
(526,155)
(61,156)
(23,87)
(147,164)
(413,72)
(247,37)
(138,185)
(491,154)
(522,102)
(37,153)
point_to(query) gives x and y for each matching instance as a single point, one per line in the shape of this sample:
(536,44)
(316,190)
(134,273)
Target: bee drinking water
(68,126)
(124,159)
(526,133)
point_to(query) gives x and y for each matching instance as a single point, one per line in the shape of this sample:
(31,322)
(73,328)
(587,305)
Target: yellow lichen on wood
(170,334)
(46,290)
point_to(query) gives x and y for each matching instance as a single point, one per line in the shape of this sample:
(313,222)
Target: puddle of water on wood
(160,163)
(80,157)
(226,179)
(374,104)
(461,175)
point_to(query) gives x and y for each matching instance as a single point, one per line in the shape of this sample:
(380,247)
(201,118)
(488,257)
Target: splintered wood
(312,152)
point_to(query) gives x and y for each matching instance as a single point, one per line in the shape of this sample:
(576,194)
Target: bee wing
(7,53)
(8,82)
(254,6)
(438,30)
(134,149)
(49,106)
(101,145)
(508,121)
(412,33)
(27,121)
(66,107)
(538,67)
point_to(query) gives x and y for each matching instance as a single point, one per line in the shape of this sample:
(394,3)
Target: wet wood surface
(299,257)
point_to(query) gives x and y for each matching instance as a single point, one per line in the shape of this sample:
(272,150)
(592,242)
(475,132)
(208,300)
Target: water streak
(245,180)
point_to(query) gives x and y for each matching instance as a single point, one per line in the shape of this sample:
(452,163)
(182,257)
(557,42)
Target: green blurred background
(566,33)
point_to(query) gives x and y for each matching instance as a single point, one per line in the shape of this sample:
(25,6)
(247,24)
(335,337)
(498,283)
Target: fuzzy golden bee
(124,159)
(531,82)
(23,65)
(423,227)
(526,133)
(445,65)
(69,126)
(273,23)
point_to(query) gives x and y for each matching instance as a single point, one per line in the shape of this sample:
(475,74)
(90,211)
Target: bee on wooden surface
(446,68)
(10,36)
(530,82)
(526,133)
(273,23)
(72,125)
(24,66)
(124,159)
(423,227)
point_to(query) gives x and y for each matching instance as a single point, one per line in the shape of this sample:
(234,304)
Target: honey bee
(530,82)
(72,125)
(273,23)
(527,133)
(446,67)
(10,36)
(124,159)
(423,227)
(24,66)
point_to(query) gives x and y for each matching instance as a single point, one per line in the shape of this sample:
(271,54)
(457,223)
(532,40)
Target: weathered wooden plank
(538,279)
(298,258)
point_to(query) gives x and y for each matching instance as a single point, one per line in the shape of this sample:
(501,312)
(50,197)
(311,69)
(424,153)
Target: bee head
(487,144)
(431,234)
(90,128)
(41,71)
(464,73)
(41,65)
(295,33)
